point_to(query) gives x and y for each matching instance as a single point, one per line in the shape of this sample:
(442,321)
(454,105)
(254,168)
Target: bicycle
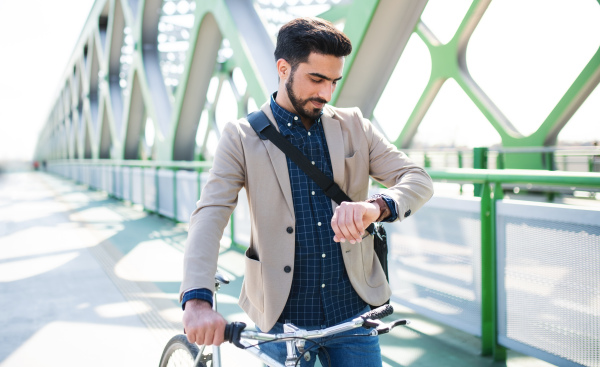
(180,352)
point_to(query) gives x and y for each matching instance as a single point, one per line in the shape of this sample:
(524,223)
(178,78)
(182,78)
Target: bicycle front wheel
(180,353)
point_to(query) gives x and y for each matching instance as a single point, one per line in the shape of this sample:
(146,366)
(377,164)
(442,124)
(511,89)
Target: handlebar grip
(232,333)
(379,312)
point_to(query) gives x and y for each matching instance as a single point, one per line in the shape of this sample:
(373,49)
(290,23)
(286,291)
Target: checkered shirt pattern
(321,292)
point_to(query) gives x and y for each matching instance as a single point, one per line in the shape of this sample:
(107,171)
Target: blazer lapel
(279,161)
(335,143)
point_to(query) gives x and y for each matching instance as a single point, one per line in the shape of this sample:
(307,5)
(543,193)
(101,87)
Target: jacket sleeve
(407,183)
(217,201)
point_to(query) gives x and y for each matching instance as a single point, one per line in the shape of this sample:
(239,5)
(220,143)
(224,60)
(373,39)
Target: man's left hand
(350,220)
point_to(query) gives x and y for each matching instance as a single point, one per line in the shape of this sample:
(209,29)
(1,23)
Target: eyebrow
(324,77)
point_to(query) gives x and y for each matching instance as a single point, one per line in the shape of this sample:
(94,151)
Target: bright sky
(37,38)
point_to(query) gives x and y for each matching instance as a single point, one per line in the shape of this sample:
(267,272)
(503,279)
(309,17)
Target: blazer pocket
(253,281)
(356,171)
(374,274)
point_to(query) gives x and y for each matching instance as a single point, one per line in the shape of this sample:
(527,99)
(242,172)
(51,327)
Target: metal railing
(491,182)
(572,159)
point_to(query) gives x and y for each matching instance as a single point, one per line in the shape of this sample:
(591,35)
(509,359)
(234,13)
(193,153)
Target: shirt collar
(285,119)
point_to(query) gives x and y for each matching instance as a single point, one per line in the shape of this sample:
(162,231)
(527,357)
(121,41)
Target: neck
(284,102)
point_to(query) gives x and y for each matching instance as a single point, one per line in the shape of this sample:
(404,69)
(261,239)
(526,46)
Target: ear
(283,69)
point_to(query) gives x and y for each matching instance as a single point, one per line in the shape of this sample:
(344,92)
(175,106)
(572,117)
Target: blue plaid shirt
(321,293)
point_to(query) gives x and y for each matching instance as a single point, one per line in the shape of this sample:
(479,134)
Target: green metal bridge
(151,82)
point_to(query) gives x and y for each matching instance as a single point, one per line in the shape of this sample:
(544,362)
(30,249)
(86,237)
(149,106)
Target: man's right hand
(202,324)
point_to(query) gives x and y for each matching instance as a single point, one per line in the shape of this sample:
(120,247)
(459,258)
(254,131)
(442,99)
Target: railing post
(156,190)
(479,162)
(489,292)
(499,352)
(500,161)
(487,317)
(175,194)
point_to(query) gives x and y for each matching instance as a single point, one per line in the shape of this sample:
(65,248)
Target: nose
(326,91)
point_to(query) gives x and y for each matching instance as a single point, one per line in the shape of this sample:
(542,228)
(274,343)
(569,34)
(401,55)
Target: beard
(299,105)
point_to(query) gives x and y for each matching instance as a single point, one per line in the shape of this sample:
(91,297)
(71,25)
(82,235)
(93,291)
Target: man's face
(310,86)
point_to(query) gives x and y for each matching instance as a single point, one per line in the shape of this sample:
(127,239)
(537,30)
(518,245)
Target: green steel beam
(87,123)
(336,13)
(241,57)
(448,61)
(520,176)
(358,19)
(583,86)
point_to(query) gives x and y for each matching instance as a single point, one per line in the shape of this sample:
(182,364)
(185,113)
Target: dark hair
(299,37)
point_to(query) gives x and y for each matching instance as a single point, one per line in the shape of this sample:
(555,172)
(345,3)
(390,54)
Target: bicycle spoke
(181,358)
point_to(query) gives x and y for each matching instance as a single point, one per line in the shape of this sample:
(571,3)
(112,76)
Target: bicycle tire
(179,352)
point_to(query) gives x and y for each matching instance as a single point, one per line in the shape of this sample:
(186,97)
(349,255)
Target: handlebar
(378,313)
(234,331)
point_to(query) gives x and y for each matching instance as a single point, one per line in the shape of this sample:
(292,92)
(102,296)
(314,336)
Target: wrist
(198,304)
(384,210)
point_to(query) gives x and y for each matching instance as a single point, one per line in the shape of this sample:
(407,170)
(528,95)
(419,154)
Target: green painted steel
(487,258)
(448,61)
(480,161)
(498,351)
(88,121)
(519,176)
(357,22)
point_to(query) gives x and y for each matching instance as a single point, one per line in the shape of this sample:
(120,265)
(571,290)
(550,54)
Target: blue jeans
(357,350)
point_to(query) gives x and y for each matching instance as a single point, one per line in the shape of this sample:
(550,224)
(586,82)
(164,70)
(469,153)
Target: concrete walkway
(86,279)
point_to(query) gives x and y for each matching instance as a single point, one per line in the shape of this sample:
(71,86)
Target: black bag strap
(261,124)
(266,131)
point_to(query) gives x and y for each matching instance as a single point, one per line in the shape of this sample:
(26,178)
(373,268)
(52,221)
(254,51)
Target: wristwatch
(384,210)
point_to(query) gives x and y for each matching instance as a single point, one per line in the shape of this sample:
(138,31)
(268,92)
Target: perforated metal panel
(549,281)
(434,262)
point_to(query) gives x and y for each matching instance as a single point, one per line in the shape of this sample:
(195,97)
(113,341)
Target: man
(310,261)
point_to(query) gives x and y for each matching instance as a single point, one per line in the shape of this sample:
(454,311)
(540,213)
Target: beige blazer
(244,160)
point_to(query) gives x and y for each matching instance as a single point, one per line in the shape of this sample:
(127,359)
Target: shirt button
(289,124)
(312,193)
(322,285)
(319,224)
(289,229)
(313,162)
(323,255)
(295,118)
(309,134)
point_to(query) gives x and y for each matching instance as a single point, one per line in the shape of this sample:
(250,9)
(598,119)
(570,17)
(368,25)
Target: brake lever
(370,324)
(385,328)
